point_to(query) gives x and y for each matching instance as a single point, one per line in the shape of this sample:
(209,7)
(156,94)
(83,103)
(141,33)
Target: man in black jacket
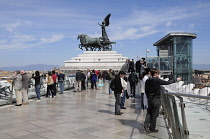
(83,87)
(152,90)
(116,86)
(79,77)
(133,79)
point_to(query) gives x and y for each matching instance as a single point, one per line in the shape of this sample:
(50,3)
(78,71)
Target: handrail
(10,92)
(188,95)
(179,131)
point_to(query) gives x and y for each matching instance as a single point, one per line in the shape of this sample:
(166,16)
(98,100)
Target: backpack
(93,78)
(107,77)
(132,77)
(112,84)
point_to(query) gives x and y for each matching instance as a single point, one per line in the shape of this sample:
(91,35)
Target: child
(100,82)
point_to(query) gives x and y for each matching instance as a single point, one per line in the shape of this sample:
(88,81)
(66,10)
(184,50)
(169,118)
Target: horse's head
(79,36)
(82,38)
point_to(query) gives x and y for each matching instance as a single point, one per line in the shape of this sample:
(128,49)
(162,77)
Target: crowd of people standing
(21,83)
(149,83)
(147,79)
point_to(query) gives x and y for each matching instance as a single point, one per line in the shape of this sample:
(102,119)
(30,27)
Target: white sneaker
(38,100)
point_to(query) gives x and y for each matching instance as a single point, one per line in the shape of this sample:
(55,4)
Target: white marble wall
(99,60)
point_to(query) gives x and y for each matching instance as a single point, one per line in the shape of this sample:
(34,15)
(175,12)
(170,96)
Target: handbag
(100,83)
(51,80)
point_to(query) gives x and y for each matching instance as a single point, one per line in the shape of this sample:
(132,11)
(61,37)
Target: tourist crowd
(21,83)
(135,74)
(149,83)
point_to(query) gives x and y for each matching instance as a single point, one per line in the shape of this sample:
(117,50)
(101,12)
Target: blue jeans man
(87,81)
(123,100)
(110,90)
(37,90)
(61,87)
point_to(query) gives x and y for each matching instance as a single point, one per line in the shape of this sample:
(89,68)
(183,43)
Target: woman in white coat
(142,89)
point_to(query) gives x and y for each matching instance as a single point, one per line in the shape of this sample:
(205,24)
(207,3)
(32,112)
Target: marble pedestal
(98,60)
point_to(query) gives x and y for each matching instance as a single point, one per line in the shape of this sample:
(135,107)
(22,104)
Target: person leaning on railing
(17,80)
(152,90)
(36,77)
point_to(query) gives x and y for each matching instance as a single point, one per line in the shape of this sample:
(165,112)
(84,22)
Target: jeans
(93,84)
(78,85)
(61,85)
(133,88)
(110,90)
(50,88)
(123,98)
(117,103)
(37,90)
(152,112)
(24,95)
(87,81)
(83,87)
(18,96)
(55,88)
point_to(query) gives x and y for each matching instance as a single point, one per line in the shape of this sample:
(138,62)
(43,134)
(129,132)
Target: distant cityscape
(201,72)
(43,67)
(201,66)
(39,67)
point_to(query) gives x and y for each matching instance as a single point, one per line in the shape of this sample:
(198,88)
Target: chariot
(93,44)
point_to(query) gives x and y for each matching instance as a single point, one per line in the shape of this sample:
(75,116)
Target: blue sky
(45,31)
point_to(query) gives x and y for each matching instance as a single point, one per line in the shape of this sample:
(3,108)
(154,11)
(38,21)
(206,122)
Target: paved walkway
(198,119)
(81,115)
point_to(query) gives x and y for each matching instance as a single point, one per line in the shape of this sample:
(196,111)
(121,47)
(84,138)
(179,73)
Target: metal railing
(7,92)
(179,130)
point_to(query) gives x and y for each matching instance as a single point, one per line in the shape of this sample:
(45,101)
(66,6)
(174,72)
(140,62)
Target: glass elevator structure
(174,55)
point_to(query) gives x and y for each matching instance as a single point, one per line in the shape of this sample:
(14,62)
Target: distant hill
(201,66)
(43,67)
(39,67)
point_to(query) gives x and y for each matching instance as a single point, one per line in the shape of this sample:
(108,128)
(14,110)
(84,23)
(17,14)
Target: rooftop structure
(174,55)
(169,36)
(98,60)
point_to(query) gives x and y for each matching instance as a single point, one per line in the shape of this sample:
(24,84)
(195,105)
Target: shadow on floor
(106,111)
(110,105)
(136,125)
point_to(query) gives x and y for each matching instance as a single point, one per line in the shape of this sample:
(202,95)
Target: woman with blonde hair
(50,85)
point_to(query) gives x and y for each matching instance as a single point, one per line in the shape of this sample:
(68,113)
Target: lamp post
(147,51)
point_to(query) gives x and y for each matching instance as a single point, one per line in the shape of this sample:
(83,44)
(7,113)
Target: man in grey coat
(125,67)
(17,82)
(79,77)
(25,80)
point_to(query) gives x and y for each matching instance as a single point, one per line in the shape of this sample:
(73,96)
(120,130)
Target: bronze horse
(89,43)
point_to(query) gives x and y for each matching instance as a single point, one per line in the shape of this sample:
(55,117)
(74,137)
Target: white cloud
(151,22)
(12,38)
(138,24)
(146,28)
(192,26)
(10,30)
(16,24)
(21,38)
(132,34)
(19,41)
(3,41)
(169,23)
(54,38)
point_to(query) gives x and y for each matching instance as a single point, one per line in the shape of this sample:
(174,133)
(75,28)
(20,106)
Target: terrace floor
(77,115)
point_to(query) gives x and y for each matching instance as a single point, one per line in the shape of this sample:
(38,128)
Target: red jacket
(96,72)
(54,76)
